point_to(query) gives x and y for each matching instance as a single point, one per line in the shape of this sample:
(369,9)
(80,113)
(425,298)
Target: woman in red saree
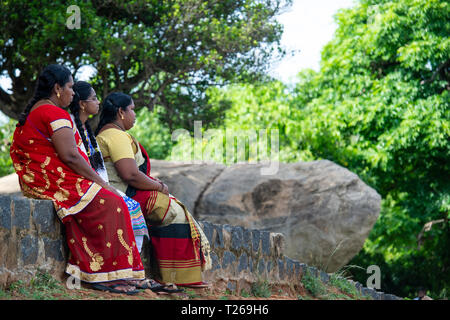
(46,156)
(179,246)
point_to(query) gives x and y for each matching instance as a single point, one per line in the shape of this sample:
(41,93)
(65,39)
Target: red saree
(98,227)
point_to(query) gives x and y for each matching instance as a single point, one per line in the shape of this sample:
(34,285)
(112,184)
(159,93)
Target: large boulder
(325,211)
(187,182)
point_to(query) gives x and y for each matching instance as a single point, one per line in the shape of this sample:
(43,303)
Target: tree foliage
(379,106)
(163,52)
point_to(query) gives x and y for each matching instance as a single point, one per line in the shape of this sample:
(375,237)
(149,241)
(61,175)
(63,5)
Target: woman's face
(91,105)
(129,117)
(66,93)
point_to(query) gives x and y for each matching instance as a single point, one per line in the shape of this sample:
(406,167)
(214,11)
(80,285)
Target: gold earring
(122,117)
(58,95)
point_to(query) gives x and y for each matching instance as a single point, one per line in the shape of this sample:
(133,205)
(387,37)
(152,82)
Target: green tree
(162,52)
(379,106)
(6,131)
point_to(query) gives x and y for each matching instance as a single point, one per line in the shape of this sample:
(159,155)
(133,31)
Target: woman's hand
(164,188)
(112,189)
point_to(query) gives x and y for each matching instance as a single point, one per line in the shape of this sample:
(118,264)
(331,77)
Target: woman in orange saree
(46,156)
(179,247)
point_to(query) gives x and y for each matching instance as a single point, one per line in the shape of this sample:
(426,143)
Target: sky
(308,26)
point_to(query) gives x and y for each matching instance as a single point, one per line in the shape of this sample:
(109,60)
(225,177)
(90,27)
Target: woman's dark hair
(82,91)
(110,107)
(52,74)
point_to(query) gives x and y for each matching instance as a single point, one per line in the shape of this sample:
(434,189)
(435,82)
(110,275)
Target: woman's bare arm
(67,150)
(130,174)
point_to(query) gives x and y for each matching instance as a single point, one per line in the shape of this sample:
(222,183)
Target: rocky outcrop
(324,211)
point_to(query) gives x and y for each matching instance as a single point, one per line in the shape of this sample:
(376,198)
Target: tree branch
(441,67)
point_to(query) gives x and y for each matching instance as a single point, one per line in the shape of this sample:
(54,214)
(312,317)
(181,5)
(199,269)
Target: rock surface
(325,211)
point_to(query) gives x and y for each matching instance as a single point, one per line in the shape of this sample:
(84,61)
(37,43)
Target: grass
(41,287)
(314,285)
(261,289)
(337,288)
(343,285)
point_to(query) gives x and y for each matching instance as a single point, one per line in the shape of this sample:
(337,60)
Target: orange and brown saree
(178,244)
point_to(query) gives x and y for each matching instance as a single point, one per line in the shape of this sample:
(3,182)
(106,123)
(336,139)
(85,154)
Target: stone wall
(32,239)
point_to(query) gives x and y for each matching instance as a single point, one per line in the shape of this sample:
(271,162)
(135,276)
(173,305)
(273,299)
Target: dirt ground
(216,291)
(45,287)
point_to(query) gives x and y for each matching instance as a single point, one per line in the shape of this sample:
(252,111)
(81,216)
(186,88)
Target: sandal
(196,285)
(112,288)
(168,288)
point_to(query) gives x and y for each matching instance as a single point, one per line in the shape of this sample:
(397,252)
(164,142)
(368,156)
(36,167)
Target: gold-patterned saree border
(84,201)
(76,272)
(60,123)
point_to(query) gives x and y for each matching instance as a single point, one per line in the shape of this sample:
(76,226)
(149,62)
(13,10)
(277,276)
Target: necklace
(49,100)
(118,126)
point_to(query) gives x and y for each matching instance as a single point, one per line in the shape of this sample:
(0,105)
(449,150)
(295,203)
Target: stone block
(388,296)
(261,266)
(214,261)
(247,239)
(219,242)
(226,231)
(369,292)
(303,268)
(297,268)
(228,259)
(231,285)
(256,239)
(53,249)
(281,269)
(29,249)
(237,238)
(243,262)
(278,244)
(289,267)
(208,229)
(313,271)
(22,212)
(324,276)
(5,212)
(44,216)
(265,242)
(269,266)
(358,286)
